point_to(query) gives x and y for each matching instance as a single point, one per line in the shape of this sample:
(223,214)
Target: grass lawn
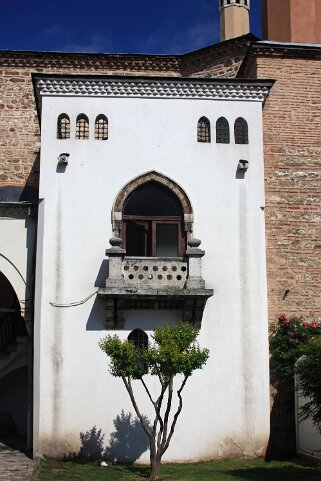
(225,470)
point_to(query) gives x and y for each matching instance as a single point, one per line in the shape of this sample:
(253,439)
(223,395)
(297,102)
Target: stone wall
(292,150)
(220,61)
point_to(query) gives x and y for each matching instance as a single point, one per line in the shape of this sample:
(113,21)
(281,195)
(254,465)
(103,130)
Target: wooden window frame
(152,222)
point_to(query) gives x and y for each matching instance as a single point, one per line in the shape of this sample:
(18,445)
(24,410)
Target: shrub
(309,381)
(286,342)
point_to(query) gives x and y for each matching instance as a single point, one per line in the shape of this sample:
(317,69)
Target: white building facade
(154,164)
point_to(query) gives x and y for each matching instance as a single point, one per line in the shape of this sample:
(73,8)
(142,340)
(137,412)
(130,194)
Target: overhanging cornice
(155,87)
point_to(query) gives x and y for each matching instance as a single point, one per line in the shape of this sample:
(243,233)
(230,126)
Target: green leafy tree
(174,351)
(309,381)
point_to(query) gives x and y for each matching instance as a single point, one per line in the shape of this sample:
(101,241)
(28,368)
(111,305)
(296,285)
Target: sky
(113,26)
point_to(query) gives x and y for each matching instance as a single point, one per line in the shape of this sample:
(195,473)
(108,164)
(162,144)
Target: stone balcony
(155,272)
(154,283)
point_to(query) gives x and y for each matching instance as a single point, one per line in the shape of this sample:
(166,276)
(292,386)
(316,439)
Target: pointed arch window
(204,130)
(153,223)
(222,131)
(101,127)
(82,127)
(241,131)
(139,338)
(63,127)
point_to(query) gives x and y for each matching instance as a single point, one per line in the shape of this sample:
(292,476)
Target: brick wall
(292,150)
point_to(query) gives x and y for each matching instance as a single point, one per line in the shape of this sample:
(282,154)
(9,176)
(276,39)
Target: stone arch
(128,189)
(16,280)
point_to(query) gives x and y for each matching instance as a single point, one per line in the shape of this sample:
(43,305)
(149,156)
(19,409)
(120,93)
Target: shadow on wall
(96,319)
(30,189)
(127,443)
(92,444)
(282,442)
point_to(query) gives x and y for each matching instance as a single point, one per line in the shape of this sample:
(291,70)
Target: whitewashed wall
(226,405)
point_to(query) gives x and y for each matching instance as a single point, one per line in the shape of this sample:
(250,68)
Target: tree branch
(129,388)
(148,393)
(179,392)
(157,406)
(161,422)
(168,409)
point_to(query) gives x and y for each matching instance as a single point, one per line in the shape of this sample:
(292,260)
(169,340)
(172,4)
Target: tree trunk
(155,460)
(155,464)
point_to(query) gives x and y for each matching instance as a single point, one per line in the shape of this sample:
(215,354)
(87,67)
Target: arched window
(153,222)
(241,132)
(82,127)
(204,130)
(63,127)
(101,127)
(222,131)
(139,338)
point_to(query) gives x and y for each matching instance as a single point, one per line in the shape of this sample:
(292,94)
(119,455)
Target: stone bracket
(191,302)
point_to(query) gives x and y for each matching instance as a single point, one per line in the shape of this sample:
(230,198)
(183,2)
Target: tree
(309,381)
(174,351)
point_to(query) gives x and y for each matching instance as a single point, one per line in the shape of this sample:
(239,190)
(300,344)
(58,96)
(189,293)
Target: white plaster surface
(226,405)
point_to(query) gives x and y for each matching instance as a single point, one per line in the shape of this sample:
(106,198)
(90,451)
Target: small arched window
(63,127)
(241,131)
(82,127)
(204,130)
(222,131)
(139,338)
(101,127)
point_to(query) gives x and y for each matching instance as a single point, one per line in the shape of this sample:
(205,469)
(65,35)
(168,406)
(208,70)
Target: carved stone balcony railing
(155,272)
(154,283)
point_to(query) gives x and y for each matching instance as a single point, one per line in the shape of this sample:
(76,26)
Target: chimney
(234,18)
(291,20)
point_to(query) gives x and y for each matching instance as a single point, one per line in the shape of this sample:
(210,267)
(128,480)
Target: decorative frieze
(153,88)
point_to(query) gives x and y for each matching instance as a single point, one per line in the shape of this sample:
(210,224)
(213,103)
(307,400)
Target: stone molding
(113,62)
(152,88)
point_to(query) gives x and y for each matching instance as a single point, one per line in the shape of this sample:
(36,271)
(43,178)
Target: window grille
(241,133)
(139,338)
(222,131)
(101,128)
(204,130)
(63,127)
(82,127)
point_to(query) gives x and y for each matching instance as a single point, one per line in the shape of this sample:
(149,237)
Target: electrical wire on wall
(74,304)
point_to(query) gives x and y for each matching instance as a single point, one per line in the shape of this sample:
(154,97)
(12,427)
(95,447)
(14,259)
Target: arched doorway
(15,360)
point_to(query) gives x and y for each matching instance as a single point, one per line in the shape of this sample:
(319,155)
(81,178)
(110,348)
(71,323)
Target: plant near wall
(173,353)
(308,370)
(287,340)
